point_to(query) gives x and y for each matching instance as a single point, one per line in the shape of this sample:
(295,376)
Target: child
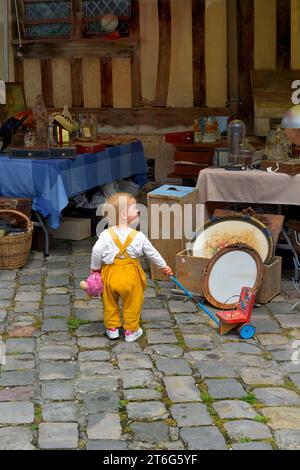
(116,254)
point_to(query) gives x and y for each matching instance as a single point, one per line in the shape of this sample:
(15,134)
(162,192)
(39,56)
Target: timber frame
(240,60)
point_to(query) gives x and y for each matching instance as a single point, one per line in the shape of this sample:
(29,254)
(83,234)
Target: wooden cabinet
(170,221)
(192,158)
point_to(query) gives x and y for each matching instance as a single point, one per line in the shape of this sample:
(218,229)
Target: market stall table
(251,186)
(50,183)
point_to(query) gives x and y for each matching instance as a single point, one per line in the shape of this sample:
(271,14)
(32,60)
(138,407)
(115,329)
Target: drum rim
(241,218)
(236,247)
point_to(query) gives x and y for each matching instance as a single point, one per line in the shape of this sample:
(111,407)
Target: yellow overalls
(124,278)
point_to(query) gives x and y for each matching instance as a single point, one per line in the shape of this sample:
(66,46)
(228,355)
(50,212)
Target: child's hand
(167,271)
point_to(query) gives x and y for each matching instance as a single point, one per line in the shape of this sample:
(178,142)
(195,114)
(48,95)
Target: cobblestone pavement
(181,386)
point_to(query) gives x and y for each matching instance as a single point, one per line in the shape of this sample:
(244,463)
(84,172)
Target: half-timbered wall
(174,34)
(194,56)
(11,52)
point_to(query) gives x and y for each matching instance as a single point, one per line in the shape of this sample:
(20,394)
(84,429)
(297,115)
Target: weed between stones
(75,323)
(262,419)
(250,398)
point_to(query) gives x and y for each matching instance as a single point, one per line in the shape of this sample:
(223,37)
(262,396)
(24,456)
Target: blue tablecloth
(49,183)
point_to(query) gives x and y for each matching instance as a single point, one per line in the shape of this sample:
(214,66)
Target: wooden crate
(290,167)
(190,269)
(271,285)
(23,205)
(169,195)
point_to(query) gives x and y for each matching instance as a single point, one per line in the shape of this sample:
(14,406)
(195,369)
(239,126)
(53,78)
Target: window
(47,19)
(93,10)
(57,19)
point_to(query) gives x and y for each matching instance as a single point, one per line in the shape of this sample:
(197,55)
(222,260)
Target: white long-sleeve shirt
(105,250)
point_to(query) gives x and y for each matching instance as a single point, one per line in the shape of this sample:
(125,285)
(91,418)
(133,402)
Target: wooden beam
(136,76)
(77,82)
(47,82)
(19,69)
(92,47)
(232,52)
(246,61)
(199,68)
(157,118)
(77,19)
(164,55)
(106,82)
(283,50)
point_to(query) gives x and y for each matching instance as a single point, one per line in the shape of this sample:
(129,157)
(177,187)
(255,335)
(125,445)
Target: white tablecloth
(251,186)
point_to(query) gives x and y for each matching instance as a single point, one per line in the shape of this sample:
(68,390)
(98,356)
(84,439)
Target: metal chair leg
(297,287)
(41,224)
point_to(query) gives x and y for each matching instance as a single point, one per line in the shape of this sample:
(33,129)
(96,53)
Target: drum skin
(221,232)
(228,272)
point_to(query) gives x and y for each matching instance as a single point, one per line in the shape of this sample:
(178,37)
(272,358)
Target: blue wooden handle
(192,298)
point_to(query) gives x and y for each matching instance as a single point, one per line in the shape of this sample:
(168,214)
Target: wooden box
(35,153)
(190,269)
(290,167)
(190,159)
(89,147)
(271,285)
(170,244)
(23,205)
(63,152)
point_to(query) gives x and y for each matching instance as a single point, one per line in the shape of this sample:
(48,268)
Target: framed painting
(15,101)
(221,232)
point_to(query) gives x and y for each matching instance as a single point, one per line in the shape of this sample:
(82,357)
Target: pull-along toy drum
(227,321)
(220,232)
(228,272)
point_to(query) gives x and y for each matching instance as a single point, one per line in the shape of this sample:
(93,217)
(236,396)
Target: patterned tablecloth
(50,183)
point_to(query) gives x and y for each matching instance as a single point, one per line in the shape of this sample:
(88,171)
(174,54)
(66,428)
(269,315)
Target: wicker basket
(14,251)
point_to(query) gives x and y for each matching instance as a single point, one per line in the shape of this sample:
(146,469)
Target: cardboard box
(190,269)
(73,228)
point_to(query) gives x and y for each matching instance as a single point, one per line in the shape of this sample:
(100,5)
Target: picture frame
(15,101)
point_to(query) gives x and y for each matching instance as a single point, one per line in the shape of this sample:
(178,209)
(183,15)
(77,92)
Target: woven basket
(14,251)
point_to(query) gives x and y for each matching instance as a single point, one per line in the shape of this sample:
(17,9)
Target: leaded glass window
(49,18)
(60,18)
(95,9)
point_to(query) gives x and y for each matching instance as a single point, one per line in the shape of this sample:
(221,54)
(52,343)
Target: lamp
(291,123)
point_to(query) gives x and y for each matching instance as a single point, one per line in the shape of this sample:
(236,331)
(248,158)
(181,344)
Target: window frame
(77,21)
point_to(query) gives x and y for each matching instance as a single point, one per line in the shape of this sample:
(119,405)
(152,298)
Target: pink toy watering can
(93,285)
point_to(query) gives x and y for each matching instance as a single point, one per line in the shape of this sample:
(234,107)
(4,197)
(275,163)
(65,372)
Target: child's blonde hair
(119,202)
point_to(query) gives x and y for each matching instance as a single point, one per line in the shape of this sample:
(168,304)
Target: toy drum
(228,272)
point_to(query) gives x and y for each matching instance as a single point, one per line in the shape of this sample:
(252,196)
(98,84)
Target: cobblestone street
(181,386)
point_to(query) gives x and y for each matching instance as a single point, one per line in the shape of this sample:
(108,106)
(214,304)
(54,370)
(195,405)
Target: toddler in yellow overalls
(116,254)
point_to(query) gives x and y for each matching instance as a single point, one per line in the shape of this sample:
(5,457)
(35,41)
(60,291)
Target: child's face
(133,212)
